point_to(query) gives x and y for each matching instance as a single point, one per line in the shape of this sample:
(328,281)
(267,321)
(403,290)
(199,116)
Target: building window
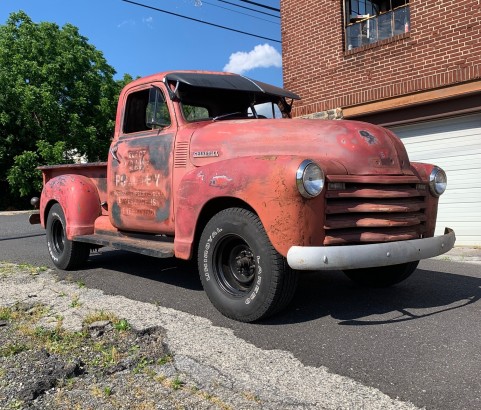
(367,22)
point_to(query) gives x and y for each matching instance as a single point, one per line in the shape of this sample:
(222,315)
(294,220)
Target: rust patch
(267,158)
(220,181)
(368,137)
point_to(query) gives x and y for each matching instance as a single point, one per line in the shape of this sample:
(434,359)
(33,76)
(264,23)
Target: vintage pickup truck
(210,166)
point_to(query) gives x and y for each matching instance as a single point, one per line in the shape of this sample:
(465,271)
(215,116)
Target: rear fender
(267,184)
(79,198)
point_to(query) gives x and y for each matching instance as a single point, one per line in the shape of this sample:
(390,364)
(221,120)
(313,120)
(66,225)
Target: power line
(261,5)
(199,21)
(240,12)
(248,8)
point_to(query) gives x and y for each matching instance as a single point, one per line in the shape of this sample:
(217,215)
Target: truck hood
(350,147)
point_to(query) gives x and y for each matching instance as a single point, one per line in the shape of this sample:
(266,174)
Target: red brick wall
(442,48)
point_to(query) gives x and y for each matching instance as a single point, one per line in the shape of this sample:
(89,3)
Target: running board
(147,247)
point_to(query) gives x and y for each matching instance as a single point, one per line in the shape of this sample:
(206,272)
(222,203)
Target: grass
(100,316)
(12,349)
(58,340)
(165,359)
(15,404)
(75,301)
(5,313)
(7,268)
(176,383)
(252,397)
(142,365)
(110,356)
(122,325)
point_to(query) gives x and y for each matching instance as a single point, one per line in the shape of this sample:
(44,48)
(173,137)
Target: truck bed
(95,171)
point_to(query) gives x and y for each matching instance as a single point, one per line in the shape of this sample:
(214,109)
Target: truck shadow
(425,293)
(168,271)
(320,294)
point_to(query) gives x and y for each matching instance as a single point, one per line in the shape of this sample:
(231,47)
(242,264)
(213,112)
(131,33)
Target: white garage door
(454,144)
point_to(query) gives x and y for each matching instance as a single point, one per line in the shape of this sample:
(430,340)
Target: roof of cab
(219,80)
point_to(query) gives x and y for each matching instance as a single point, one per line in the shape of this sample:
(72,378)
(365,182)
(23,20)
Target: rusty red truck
(210,167)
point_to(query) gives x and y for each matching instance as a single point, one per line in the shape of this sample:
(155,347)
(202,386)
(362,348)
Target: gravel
(64,346)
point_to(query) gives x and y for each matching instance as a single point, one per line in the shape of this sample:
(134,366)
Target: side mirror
(157,113)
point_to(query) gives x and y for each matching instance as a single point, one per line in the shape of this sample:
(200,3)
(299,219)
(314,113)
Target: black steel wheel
(382,276)
(245,278)
(65,254)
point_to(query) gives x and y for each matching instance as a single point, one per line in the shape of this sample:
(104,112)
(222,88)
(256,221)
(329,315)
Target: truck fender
(79,198)
(267,184)
(422,171)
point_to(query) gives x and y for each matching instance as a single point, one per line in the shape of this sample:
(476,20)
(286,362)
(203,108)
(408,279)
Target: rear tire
(245,278)
(65,254)
(382,276)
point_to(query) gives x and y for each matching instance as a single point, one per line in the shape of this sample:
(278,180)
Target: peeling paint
(220,181)
(370,139)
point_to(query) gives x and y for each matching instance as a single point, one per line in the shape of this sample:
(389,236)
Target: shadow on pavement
(425,293)
(168,271)
(320,294)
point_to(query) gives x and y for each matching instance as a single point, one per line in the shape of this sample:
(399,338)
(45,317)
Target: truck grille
(367,212)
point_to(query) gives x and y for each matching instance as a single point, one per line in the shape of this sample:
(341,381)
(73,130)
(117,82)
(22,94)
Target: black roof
(229,82)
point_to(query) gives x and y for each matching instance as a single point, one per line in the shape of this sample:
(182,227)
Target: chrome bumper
(367,256)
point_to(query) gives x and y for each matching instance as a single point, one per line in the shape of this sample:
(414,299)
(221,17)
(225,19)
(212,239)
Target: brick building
(413,66)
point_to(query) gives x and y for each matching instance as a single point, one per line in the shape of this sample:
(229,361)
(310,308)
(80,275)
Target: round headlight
(310,179)
(438,181)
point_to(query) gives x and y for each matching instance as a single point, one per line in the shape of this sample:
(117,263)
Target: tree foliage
(57,100)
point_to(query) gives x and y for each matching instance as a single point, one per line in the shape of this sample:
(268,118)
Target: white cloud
(148,21)
(262,56)
(126,23)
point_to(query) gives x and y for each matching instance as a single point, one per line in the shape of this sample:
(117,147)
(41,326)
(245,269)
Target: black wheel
(245,278)
(65,254)
(382,276)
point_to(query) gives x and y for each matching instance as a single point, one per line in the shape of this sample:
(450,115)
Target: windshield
(212,96)
(202,104)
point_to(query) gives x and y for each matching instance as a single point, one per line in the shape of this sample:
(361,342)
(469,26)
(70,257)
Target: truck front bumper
(368,256)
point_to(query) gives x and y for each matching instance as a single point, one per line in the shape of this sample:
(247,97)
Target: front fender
(79,198)
(423,171)
(267,184)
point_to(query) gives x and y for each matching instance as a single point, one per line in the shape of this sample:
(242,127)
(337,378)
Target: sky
(142,41)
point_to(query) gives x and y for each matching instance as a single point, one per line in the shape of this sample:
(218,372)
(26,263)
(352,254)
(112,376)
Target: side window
(140,106)
(265,110)
(195,113)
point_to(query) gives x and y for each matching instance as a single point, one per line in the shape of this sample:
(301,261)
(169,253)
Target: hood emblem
(370,139)
(205,154)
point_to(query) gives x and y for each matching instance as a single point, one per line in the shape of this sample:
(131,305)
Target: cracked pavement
(213,368)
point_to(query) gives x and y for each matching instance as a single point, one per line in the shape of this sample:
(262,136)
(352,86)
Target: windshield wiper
(219,117)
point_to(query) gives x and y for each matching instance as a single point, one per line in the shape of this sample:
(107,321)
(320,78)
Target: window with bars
(367,22)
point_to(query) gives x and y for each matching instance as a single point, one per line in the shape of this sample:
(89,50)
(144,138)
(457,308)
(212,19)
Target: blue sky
(141,41)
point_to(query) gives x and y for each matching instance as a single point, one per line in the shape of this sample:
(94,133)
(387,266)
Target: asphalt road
(419,341)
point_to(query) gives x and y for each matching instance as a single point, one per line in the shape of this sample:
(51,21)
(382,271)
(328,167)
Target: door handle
(113,152)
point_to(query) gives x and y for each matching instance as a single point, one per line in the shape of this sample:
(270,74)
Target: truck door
(140,164)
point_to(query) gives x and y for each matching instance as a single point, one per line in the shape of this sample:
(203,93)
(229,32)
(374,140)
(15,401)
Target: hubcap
(235,265)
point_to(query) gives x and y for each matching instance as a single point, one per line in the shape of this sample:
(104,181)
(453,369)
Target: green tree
(57,101)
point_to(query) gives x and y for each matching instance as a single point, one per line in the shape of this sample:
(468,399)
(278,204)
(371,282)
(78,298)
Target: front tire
(382,276)
(65,254)
(245,278)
